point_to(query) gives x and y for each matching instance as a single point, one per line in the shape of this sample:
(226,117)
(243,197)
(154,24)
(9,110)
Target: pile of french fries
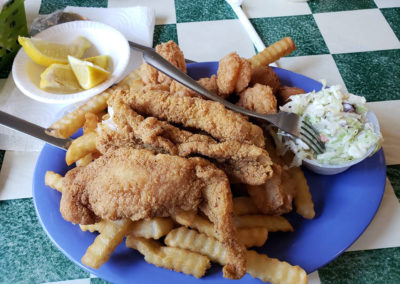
(186,242)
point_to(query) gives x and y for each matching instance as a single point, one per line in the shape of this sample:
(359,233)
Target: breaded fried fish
(137,184)
(209,116)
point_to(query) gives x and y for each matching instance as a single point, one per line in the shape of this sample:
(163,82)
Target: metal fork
(290,123)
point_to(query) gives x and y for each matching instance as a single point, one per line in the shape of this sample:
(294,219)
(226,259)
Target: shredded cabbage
(340,118)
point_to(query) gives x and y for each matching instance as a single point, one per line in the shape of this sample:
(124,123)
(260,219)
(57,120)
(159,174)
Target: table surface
(352,43)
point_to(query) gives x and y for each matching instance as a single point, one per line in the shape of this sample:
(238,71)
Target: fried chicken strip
(242,162)
(137,184)
(210,116)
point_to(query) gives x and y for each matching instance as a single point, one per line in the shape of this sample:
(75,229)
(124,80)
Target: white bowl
(105,41)
(335,169)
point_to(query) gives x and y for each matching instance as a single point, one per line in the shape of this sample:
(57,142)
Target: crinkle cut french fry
(190,239)
(97,227)
(252,237)
(302,198)
(110,237)
(273,270)
(272,53)
(192,220)
(129,79)
(271,223)
(74,120)
(153,228)
(80,147)
(248,236)
(53,180)
(177,259)
(244,205)
(90,123)
(84,161)
(258,266)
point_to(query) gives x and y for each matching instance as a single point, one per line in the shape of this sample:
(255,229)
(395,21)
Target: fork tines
(311,137)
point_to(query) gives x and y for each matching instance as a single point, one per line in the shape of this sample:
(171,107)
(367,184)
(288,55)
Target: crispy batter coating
(171,52)
(284,93)
(244,75)
(208,83)
(137,184)
(179,89)
(233,74)
(276,195)
(242,162)
(265,75)
(209,116)
(259,98)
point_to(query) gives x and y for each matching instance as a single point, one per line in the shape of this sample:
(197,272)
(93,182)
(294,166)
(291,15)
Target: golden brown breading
(171,52)
(258,98)
(276,195)
(233,74)
(265,75)
(208,83)
(242,162)
(244,75)
(284,93)
(136,184)
(179,89)
(209,116)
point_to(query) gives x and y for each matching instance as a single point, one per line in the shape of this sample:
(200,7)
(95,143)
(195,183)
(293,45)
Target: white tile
(313,278)
(387,112)
(356,31)
(14,102)
(210,41)
(16,174)
(31,10)
(315,66)
(383,232)
(274,8)
(165,9)
(76,281)
(387,3)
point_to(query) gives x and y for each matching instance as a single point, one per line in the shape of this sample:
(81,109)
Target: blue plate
(345,205)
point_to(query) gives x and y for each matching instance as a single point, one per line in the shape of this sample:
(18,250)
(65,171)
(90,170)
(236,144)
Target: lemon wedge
(99,60)
(87,73)
(59,78)
(46,53)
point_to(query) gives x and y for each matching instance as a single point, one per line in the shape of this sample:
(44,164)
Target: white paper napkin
(135,23)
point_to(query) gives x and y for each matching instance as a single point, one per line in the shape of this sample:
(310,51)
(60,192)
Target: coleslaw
(340,118)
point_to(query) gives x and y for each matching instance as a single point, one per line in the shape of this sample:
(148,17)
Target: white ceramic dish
(105,41)
(335,169)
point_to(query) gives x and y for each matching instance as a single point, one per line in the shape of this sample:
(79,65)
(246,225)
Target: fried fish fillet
(171,52)
(137,184)
(275,197)
(242,162)
(208,83)
(209,116)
